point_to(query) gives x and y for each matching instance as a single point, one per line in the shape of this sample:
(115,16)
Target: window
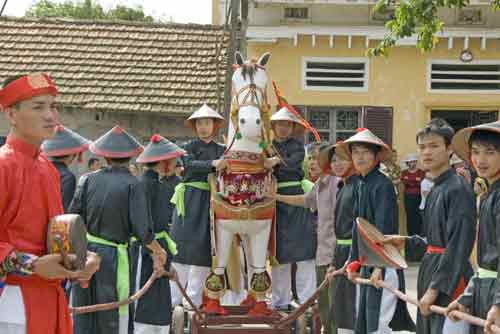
(332,123)
(474,77)
(340,74)
(296,13)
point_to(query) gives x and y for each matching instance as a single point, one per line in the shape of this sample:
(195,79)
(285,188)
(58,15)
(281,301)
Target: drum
(67,234)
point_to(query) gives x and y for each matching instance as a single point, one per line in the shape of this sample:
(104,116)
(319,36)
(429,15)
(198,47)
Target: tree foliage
(416,17)
(85,10)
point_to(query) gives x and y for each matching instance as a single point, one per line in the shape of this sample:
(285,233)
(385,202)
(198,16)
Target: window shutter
(379,121)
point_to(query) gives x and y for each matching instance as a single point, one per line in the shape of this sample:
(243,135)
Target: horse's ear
(264,59)
(239,58)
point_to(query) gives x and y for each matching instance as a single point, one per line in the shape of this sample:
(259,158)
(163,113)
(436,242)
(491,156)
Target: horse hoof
(249,301)
(260,309)
(212,307)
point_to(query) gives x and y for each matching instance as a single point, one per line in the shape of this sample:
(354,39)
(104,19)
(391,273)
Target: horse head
(249,84)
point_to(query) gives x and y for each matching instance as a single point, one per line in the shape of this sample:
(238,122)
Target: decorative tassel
(263,144)
(238,135)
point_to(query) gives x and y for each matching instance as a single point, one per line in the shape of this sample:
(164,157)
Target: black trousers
(413,218)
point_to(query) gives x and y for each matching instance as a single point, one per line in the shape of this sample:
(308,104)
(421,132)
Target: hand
(427,300)
(352,276)
(91,266)
(454,306)
(329,273)
(269,163)
(492,318)
(159,260)
(376,277)
(51,267)
(220,164)
(397,241)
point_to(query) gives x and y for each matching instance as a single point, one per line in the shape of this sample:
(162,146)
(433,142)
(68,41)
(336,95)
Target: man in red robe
(32,300)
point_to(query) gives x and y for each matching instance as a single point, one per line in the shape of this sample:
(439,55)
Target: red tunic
(29,197)
(412,181)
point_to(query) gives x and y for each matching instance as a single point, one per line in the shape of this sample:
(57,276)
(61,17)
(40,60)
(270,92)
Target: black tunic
(343,289)
(482,293)
(158,296)
(68,183)
(295,236)
(192,232)
(113,205)
(377,204)
(450,218)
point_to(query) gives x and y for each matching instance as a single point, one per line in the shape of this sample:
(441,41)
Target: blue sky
(182,11)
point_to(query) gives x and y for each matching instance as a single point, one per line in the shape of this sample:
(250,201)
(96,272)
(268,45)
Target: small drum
(67,234)
(372,251)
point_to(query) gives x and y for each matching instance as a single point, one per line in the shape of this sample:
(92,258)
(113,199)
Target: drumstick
(434,308)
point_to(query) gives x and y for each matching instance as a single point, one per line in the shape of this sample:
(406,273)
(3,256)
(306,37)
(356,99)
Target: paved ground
(411,288)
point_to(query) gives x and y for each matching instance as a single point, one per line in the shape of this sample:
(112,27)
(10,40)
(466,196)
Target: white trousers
(460,327)
(150,329)
(282,283)
(12,314)
(193,279)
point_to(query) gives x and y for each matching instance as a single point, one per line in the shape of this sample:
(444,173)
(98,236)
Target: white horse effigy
(238,204)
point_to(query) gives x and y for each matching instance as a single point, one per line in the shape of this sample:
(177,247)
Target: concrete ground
(411,289)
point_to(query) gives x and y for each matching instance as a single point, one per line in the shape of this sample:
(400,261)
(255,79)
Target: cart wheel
(178,320)
(302,324)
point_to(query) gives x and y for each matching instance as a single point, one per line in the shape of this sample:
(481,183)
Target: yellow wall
(399,81)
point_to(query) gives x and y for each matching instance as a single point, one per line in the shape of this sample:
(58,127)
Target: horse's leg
(215,283)
(260,281)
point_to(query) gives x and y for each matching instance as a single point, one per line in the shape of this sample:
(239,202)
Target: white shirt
(425,186)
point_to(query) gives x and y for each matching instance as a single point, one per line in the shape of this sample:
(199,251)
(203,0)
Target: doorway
(460,119)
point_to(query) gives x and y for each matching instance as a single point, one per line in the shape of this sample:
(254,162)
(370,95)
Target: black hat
(64,142)
(116,143)
(159,149)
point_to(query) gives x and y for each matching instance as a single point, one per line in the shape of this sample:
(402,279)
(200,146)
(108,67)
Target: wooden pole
(233,29)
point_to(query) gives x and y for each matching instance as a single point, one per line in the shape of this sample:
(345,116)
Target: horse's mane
(249,68)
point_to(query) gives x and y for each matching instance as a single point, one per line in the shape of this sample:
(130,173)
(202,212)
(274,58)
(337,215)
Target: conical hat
(116,143)
(371,249)
(364,136)
(455,160)
(204,112)
(64,142)
(159,149)
(460,142)
(284,115)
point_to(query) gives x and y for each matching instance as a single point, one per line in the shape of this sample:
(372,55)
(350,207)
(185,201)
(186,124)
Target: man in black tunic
(114,207)
(295,236)
(191,218)
(450,217)
(480,146)
(378,311)
(62,150)
(153,311)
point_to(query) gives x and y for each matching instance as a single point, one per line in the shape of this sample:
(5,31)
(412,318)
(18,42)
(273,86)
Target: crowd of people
(153,215)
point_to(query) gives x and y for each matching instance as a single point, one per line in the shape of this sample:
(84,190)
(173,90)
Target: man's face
(363,158)
(486,160)
(433,152)
(35,119)
(204,128)
(283,129)
(95,166)
(340,166)
(412,165)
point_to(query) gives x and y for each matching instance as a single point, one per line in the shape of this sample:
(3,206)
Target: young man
(63,149)
(191,227)
(480,145)
(159,159)
(320,198)
(33,300)
(114,207)
(411,179)
(378,311)
(450,219)
(296,240)
(94,164)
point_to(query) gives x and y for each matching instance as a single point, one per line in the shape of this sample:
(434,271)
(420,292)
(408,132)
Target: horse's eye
(242,121)
(257,121)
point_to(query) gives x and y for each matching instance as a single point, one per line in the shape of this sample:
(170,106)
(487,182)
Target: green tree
(85,10)
(415,17)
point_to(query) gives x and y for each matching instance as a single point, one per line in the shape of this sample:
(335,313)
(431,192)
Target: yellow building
(319,62)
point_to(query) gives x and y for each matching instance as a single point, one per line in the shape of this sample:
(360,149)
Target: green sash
(485,273)
(305,184)
(180,190)
(172,247)
(122,272)
(344,242)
